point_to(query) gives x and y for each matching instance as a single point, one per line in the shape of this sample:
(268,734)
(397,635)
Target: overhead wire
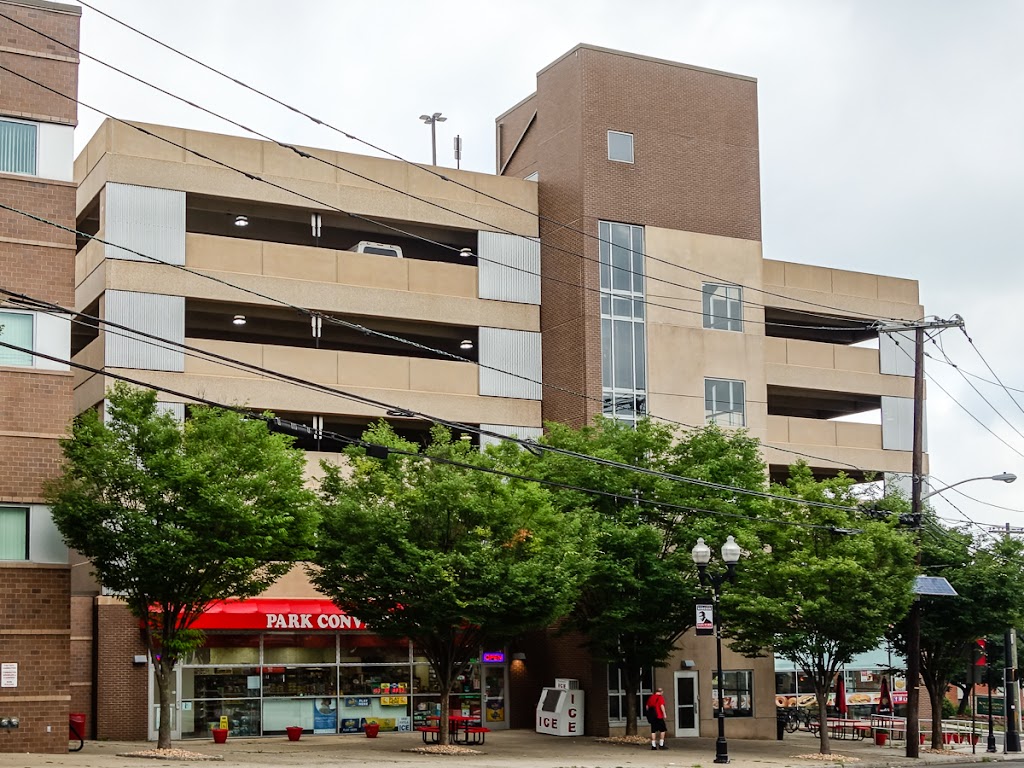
(354,326)
(630,499)
(430,170)
(329,318)
(960,405)
(459,426)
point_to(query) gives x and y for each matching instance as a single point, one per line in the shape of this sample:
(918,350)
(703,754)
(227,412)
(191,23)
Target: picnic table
(844,728)
(470,729)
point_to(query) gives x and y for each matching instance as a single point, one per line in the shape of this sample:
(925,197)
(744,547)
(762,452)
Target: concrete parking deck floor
(504,749)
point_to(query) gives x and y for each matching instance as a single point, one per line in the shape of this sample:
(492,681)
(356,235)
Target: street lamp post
(916,500)
(730,556)
(1002,477)
(988,680)
(432,121)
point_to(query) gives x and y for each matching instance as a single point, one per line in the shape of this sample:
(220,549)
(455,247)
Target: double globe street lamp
(701,554)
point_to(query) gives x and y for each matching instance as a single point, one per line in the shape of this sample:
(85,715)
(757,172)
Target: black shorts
(657,724)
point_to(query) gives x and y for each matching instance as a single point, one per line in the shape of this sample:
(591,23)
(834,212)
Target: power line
(959,404)
(364,329)
(427,169)
(459,426)
(390,227)
(374,447)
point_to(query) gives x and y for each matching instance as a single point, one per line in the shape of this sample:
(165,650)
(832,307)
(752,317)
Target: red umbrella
(841,695)
(884,697)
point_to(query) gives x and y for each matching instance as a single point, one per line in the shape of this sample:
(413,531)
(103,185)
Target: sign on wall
(9,675)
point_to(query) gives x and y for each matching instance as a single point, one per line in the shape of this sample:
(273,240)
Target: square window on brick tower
(620,146)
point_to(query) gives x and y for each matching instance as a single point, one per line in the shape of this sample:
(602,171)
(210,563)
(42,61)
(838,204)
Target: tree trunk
(632,683)
(936,696)
(163,671)
(824,745)
(965,699)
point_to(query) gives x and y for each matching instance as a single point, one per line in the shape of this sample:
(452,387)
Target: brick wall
(35,635)
(82,654)
(121,695)
(27,461)
(35,406)
(551,654)
(51,201)
(695,168)
(47,62)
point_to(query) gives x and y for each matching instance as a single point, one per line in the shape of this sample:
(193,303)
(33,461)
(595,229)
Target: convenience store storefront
(270,664)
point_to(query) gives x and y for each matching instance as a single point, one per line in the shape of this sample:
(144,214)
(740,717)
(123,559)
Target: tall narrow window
(617,693)
(13,533)
(620,146)
(17,147)
(623,332)
(723,307)
(724,402)
(16,328)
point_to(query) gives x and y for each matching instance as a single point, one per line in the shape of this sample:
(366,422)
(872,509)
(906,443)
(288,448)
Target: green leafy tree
(448,556)
(640,592)
(822,587)
(988,577)
(174,517)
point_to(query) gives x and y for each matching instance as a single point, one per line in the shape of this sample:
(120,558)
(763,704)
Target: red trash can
(76,725)
(372,729)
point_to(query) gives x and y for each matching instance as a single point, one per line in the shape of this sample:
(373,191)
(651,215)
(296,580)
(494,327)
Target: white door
(154,710)
(687,709)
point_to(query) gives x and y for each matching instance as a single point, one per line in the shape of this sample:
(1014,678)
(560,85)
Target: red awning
(281,615)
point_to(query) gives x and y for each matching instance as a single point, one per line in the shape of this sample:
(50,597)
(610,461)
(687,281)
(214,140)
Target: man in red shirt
(656,717)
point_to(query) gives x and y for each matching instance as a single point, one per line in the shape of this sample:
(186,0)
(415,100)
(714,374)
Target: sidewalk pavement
(504,749)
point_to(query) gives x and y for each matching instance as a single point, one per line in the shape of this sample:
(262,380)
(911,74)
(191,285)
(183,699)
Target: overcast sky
(891,133)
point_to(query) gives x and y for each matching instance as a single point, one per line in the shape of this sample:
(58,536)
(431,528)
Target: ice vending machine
(560,712)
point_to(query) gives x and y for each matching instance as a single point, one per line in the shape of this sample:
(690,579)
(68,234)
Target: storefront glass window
(221,650)
(737,691)
(299,649)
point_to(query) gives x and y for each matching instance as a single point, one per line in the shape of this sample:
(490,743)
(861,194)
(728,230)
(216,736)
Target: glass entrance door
(495,703)
(687,712)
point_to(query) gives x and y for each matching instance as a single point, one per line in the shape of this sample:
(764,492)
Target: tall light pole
(432,121)
(701,554)
(1002,477)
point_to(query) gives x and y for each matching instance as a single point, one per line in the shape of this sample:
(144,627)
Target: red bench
(432,730)
(476,735)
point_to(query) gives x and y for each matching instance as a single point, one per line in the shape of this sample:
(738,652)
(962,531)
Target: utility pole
(917,481)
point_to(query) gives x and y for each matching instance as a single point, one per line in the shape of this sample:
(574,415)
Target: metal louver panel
(508,268)
(162,316)
(526,433)
(896,352)
(510,363)
(145,219)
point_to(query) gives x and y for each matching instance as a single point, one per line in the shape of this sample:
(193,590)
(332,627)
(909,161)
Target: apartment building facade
(623,228)
(38,681)
(657,301)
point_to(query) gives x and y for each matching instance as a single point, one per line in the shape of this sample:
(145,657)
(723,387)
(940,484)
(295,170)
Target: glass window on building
(617,694)
(723,307)
(620,146)
(725,402)
(18,147)
(16,328)
(623,329)
(737,693)
(13,533)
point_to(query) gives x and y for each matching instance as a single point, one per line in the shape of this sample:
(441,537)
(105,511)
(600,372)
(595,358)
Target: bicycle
(797,718)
